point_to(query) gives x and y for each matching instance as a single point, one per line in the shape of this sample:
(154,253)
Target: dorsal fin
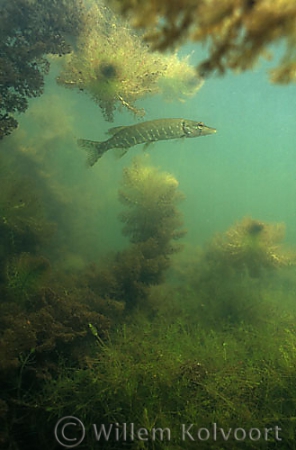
(115,130)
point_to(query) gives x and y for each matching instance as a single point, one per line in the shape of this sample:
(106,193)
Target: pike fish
(125,137)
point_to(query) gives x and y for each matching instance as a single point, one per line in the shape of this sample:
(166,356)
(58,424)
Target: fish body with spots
(124,137)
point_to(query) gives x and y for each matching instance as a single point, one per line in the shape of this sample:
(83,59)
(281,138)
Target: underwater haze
(246,169)
(153,291)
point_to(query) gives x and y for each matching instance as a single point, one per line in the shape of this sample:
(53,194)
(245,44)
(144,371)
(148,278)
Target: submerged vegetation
(237,32)
(147,335)
(151,197)
(30,30)
(232,276)
(170,372)
(116,342)
(106,58)
(250,246)
(116,68)
(152,222)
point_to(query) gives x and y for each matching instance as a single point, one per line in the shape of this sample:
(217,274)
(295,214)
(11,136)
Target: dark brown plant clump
(30,30)
(51,323)
(37,335)
(237,32)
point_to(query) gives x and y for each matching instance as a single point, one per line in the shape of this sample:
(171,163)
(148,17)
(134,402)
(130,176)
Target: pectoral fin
(119,152)
(146,145)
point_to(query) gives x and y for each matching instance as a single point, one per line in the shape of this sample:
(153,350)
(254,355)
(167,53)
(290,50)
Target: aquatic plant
(24,275)
(250,245)
(30,30)
(44,313)
(116,68)
(162,373)
(151,198)
(23,225)
(152,222)
(230,275)
(37,333)
(237,32)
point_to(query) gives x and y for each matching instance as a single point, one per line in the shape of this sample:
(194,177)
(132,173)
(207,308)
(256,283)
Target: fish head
(194,129)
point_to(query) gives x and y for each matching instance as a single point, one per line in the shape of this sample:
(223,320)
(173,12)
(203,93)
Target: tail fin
(94,150)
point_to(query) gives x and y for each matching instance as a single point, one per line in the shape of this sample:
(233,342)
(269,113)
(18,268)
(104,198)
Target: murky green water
(130,330)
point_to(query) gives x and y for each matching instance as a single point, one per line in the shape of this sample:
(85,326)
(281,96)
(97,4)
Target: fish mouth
(209,130)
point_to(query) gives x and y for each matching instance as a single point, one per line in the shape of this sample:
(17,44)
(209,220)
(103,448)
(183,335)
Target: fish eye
(200,125)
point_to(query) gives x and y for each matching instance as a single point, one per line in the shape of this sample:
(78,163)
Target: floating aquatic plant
(116,68)
(237,32)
